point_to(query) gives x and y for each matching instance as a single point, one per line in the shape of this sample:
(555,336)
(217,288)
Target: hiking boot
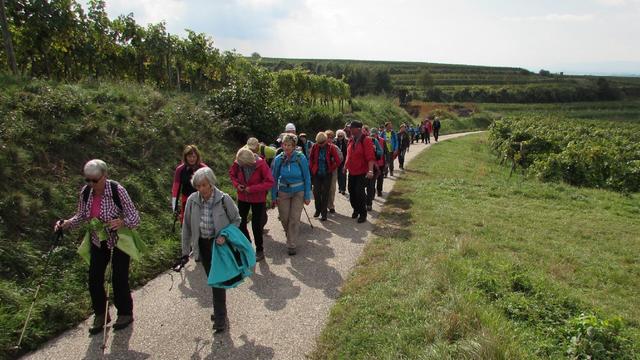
(122,322)
(259,255)
(391,173)
(379,193)
(362,219)
(354,215)
(317,213)
(291,251)
(333,211)
(220,324)
(98,324)
(324,217)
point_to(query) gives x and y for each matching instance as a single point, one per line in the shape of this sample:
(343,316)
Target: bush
(594,338)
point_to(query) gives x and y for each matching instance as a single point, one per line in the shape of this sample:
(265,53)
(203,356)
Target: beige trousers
(332,190)
(289,211)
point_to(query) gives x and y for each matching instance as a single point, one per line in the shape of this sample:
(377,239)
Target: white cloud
(149,11)
(552,18)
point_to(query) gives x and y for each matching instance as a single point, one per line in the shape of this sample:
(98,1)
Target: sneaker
(98,324)
(259,256)
(354,215)
(333,211)
(362,219)
(122,322)
(317,213)
(291,251)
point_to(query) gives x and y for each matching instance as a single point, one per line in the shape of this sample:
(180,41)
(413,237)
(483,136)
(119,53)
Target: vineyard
(449,82)
(600,154)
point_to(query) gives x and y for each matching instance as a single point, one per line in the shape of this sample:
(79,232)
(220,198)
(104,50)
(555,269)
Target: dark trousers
(357,196)
(342,179)
(219,295)
(257,224)
(371,186)
(401,155)
(436,132)
(120,279)
(321,185)
(379,177)
(388,162)
(428,137)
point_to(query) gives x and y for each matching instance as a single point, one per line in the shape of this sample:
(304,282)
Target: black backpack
(114,193)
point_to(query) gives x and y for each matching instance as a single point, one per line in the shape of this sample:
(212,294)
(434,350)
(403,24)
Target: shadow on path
(275,290)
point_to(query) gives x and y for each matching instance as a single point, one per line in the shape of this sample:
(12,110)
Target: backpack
(114,193)
(340,155)
(377,148)
(297,155)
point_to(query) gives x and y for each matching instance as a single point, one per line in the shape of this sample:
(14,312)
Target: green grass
(470,263)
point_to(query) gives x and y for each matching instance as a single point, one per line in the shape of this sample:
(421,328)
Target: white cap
(290,127)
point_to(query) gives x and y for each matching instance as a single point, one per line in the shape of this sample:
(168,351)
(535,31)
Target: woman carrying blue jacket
(206,213)
(292,188)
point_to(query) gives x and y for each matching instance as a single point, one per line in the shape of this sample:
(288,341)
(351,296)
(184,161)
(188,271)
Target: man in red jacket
(359,164)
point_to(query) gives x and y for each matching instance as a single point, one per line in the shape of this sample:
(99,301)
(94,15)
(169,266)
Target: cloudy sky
(560,35)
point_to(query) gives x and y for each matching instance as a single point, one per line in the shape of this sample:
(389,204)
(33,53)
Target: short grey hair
(203,174)
(253,144)
(290,138)
(245,157)
(95,167)
(341,132)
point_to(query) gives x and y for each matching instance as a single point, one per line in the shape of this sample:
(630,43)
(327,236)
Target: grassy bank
(470,263)
(48,132)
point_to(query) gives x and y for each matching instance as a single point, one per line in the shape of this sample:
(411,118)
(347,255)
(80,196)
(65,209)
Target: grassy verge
(470,263)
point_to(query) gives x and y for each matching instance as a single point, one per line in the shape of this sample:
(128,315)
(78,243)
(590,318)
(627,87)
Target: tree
(425,80)
(8,44)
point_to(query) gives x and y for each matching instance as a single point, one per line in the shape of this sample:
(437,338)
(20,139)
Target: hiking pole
(306,213)
(106,307)
(56,241)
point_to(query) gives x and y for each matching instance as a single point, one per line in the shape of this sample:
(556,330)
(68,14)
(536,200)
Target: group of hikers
(424,130)
(355,159)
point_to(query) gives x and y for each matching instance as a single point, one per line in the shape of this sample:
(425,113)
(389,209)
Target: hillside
(450,82)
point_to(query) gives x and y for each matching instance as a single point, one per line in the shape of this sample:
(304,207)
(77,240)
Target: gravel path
(277,314)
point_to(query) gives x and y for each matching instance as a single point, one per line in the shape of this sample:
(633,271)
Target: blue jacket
(394,139)
(232,261)
(291,172)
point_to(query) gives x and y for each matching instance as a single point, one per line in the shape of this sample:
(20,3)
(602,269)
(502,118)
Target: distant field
(451,82)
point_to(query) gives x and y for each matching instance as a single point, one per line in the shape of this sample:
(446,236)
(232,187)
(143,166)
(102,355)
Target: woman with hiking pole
(292,188)
(106,205)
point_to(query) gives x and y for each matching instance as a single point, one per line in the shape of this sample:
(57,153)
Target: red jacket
(332,157)
(359,156)
(259,184)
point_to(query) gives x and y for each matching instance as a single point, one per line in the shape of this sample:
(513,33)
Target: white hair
(203,174)
(95,167)
(341,132)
